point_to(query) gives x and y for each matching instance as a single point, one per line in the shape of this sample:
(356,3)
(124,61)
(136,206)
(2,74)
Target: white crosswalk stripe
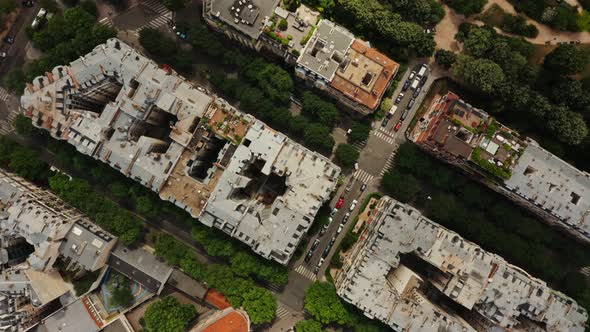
(4,95)
(106,22)
(383,136)
(282,312)
(273,288)
(155,23)
(156,6)
(306,273)
(388,164)
(4,131)
(359,145)
(363,176)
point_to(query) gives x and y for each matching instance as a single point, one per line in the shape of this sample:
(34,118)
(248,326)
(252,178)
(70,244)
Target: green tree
(346,155)
(467,7)
(7,147)
(260,305)
(479,41)
(445,58)
(23,125)
(319,108)
(308,325)
(568,127)
(484,74)
(7,6)
(298,124)
(322,302)
(567,59)
(26,163)
(318,135)
(172,250)
(15,80)
(156,43)
(360,131)
(174,5)
(122,296)
(168,315)
(403,187)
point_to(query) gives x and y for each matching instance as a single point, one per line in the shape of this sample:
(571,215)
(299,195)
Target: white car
(412,75)
(339,229)
(353,205)
(2,54)
(356,166)
(334,210)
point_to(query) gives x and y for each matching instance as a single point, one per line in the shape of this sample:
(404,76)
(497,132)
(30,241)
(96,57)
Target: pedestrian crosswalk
(383,136)
(306,273)
(282,312)
(4,94)
(156,6)
(359,145)
(155,23)
(273,288)
(388,164)
(106,22)
(363,176)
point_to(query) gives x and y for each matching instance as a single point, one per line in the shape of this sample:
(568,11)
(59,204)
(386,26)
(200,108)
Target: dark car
(385,122)
(363,187)
(9,40)
(326,251)
(399,98)
(332,241)
(406,85)
(417,92)
(423,80)
(315,245)
(411,103)
(27,3)
(308,256)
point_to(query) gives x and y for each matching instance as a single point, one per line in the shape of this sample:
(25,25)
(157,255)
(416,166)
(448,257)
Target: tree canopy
(318,135)
(322,302)
(308,325)
(360,131)
(316,107)
(484,74)
(467,7)
(346,155)
(445,58)
(168,315)
(567,59)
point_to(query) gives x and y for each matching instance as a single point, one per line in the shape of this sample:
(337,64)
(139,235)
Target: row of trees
(559,15)
(326,308)
(373,18)
(65,38)
(498,68)
(487,218)
(259,303)
(466,7)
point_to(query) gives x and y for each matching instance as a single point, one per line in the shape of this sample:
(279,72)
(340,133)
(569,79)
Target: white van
(415,84)
(392,111)
(422,71)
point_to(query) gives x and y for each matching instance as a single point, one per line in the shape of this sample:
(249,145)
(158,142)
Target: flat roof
(366,74)
(247,16)
(326,49)
(553,185)
(74,317)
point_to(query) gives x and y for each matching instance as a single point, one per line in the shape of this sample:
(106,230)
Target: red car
(340,202)
(398,125)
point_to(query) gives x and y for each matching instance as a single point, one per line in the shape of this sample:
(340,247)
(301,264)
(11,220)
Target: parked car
(356,166)
(385,122)
(2,54)
(398,125)
(340,202)
(423,81)
(326,251)
(405,114)
(315,245)
(308,256)
(9,40)
(406,85)
(353,205)
(27,3)
(332,240)
(324,229)
(346,216)
(411,103)
(399,98)
(317,268)
(339,229)
(417,92)
(363,187)
(412,75)
(333,213)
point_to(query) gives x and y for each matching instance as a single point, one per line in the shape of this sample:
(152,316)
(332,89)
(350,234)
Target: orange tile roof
(232,322)
(370,99)
(217,299)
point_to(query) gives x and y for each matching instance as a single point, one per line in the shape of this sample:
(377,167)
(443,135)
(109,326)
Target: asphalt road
(16,52)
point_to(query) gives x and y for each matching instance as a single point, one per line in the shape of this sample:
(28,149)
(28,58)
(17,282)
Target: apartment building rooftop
(326,50)
(365,74)
(408,270)
(554,185)
(247,16)
(198,152)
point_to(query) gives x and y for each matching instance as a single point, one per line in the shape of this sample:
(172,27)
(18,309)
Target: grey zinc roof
(376,280)
(142,266)
(552,184)
(251,15)
(71,318)
(326,49)
(87,244)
